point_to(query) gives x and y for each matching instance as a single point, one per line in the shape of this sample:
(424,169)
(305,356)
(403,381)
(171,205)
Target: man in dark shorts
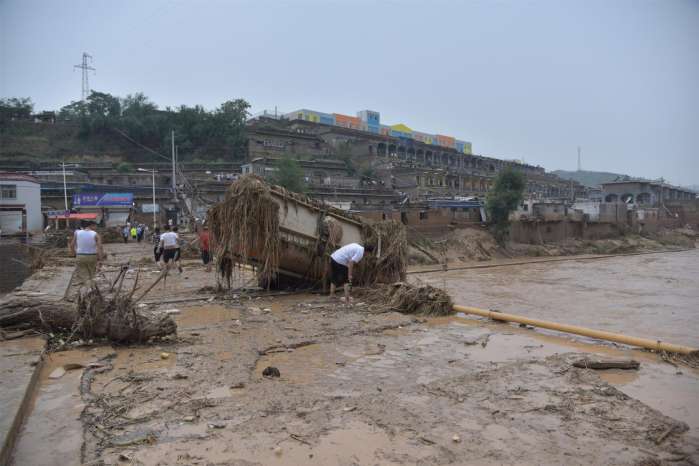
(342,264)
(168,246)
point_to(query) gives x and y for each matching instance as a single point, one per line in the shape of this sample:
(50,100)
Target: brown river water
(652,296)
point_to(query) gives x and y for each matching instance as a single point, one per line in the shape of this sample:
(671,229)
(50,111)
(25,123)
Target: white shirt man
(342,266)
(87,247)
(168,245)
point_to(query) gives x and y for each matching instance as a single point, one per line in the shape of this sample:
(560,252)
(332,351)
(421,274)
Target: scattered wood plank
(610,364)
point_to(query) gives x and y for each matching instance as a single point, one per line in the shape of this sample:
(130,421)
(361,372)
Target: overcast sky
(519,79)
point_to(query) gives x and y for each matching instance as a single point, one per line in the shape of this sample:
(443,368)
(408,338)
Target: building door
(10,221)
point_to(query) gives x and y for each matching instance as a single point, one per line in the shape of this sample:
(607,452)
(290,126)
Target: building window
(423,215)
(8,191)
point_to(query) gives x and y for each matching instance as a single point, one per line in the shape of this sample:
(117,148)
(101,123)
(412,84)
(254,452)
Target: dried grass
(245,230)
(246,225)
(410,299)
(388,261)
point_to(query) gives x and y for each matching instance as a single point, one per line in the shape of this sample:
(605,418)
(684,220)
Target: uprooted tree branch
(96,314)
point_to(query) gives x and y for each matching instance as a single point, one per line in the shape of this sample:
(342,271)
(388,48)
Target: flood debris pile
(96,314)
(251,227)
(244,225)
(410,299)
(388,261)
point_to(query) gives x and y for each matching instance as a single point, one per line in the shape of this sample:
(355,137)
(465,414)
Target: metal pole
(656,345)
(154,221)
(174,183)
(65,190)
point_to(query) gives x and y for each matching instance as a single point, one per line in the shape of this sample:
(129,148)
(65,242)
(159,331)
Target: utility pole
(579,164)
(65,190)
(174,182)
(85,67)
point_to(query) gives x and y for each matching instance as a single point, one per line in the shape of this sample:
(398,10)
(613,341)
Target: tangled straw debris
(411,299)
(246,225)
(245,229)
(388,261)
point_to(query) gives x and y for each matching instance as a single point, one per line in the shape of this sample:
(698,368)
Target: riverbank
(475,245)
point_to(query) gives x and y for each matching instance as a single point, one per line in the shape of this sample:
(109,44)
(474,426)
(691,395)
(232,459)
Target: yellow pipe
(587,332)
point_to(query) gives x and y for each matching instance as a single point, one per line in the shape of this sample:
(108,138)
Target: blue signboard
(103,200)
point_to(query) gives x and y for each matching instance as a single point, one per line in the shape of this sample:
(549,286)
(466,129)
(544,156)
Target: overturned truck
(288,238)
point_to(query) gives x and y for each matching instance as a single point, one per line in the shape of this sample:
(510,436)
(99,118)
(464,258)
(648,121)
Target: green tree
(125,167)
(141,120)
(289,175)
(104,111)
(16,107)
(503,199)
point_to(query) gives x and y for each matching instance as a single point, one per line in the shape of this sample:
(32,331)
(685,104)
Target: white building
(20,204)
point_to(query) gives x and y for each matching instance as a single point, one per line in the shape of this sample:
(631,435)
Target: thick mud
(363,388)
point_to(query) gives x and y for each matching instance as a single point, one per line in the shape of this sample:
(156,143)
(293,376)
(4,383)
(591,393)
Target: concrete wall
(28,198)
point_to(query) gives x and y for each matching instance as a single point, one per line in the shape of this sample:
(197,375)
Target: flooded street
(653,296)
(364,386)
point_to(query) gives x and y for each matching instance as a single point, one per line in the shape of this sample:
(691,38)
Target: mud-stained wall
(538,232)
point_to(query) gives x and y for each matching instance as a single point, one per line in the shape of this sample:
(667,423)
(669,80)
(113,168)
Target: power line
(85,67)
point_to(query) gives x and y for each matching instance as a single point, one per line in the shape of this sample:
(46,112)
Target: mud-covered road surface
(362,388)
(358,388)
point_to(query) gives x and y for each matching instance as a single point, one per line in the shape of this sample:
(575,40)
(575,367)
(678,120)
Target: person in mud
(125,233)
(178,249)
(342,264)
(203,240)
(86,245)
(157,252)
(168,246)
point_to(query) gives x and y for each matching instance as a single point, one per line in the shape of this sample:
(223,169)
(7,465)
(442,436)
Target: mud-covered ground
(355,388)
(360,388)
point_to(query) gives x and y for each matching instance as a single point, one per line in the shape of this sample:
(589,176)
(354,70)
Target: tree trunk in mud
(115,319)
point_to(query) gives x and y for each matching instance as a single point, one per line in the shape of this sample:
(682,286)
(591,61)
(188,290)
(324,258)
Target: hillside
(27,141)
(588,178)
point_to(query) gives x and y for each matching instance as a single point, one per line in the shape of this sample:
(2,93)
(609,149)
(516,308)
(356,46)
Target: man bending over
(342,264)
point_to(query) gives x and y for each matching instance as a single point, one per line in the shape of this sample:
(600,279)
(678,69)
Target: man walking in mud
(168,246)
(86,245)
(342,264)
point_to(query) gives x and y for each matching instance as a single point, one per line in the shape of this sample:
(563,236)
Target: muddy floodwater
(653,296)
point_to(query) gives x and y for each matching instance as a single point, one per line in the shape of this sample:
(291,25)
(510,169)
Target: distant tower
(85,67)
(579,164)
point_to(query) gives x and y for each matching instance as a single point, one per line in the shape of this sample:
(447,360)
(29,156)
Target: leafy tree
(199,133)
(503,199)
(230,120)
(16,107)
(104,111)
(125,167)
(141,120)
(289,175)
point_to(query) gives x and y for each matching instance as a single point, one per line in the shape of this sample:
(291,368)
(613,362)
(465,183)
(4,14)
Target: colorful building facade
(370,121)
